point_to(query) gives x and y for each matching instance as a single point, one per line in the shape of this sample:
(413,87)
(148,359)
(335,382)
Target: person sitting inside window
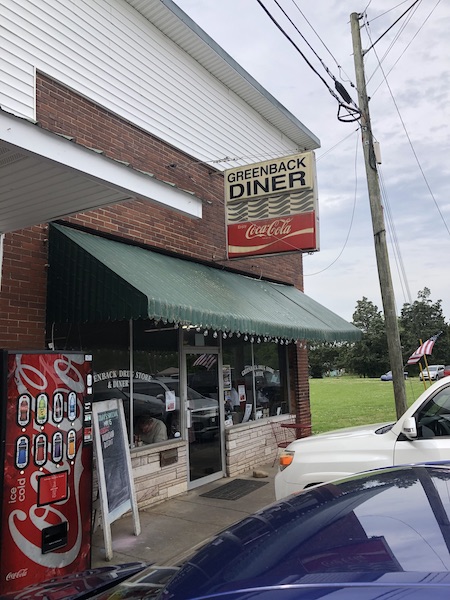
(150,430)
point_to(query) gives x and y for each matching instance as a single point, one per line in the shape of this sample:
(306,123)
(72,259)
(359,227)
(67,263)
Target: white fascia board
(31,139)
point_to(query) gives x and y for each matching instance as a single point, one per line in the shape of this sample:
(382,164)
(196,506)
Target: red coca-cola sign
(272,236)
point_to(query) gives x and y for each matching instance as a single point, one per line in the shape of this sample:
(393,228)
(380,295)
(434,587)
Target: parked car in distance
(422,434)
(433,372)
(375,535)
(446,370)
(388,376)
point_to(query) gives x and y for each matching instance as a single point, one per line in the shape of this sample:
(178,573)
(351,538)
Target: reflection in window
(433,420)
(154,390)
(255,383)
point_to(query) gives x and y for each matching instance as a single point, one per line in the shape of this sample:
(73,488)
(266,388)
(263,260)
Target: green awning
(92,279)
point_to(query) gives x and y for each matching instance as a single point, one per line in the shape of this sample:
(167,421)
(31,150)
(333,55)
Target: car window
(433,419)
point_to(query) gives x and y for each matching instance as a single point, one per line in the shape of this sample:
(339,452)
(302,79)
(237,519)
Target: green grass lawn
(346,401)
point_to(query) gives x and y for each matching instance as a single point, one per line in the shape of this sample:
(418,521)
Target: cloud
(414,109)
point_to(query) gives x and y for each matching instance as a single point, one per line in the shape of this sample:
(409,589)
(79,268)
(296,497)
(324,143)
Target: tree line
(369,357)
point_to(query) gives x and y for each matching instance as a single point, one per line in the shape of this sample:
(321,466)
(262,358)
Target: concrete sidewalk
(171,529)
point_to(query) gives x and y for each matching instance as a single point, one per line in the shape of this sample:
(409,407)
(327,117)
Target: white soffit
(184,32)
(44,177)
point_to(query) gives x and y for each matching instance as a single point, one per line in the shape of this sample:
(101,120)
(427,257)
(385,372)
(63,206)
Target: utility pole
(379,230)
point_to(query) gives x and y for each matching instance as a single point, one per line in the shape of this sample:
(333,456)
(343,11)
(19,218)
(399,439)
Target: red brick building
(113,214)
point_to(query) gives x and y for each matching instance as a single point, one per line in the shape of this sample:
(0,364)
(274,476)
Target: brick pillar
(23,289)
(299,382)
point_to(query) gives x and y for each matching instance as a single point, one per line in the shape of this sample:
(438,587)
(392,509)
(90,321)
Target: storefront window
(255,380)
(146,382)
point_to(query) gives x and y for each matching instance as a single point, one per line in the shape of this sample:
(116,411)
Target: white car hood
(347,433)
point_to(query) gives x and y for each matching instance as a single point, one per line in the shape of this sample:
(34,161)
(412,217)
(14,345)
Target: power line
(353,113)
(324,45)
(395,40)
(410,141)
(405,49)
(337,84)
(389,28)
(394,240)
(351,219)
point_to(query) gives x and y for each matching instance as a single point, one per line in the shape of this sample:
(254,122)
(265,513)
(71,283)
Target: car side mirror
(409,428)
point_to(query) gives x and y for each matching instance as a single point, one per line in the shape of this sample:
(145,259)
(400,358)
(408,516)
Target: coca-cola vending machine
(46,466)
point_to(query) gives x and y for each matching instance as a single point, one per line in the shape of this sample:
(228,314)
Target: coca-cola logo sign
(16,575)
(273,236)
(278,228)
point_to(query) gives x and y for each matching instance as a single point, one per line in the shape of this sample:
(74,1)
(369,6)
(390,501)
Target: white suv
(422,434)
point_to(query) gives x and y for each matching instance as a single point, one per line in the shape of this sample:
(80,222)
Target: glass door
(204,416)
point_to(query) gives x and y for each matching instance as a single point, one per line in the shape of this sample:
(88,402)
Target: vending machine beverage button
(22,452)
(72,406)
(71,446)
(57,443)
(40,449)
(41,408)
(24,404)
(58,407)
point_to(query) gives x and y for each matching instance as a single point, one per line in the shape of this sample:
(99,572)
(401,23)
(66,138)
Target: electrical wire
(395,40)
(405,49)
(353,113)
(410,143)
(351,219)
(325,46)
(403,279)
(389,28)
(386,11)
(337,84)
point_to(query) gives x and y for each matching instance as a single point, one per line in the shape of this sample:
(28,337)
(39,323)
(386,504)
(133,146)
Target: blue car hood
(345,534)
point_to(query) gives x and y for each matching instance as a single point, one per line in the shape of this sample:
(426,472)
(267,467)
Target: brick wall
(23,290)
(23,293)
(247,446)
(251,444)
(62,111)
(299,385)
(153,483)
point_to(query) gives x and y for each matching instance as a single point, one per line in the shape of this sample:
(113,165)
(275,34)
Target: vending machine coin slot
(54,537)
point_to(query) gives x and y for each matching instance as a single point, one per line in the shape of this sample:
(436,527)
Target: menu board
(115,477)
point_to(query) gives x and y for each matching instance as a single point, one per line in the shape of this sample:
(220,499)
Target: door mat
(234,489)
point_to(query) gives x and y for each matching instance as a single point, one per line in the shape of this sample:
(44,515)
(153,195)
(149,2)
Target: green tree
(369,357)
(325,357)
(421,320)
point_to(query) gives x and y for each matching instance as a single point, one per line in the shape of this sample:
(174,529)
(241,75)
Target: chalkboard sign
(115,477)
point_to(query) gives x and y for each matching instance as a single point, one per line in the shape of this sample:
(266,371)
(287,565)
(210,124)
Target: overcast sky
(410,117)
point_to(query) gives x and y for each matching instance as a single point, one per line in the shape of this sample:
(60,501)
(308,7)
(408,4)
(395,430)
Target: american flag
(205,360)
(425,348)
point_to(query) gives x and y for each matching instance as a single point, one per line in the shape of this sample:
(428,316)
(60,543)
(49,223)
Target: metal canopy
(97,279)
(44,176)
